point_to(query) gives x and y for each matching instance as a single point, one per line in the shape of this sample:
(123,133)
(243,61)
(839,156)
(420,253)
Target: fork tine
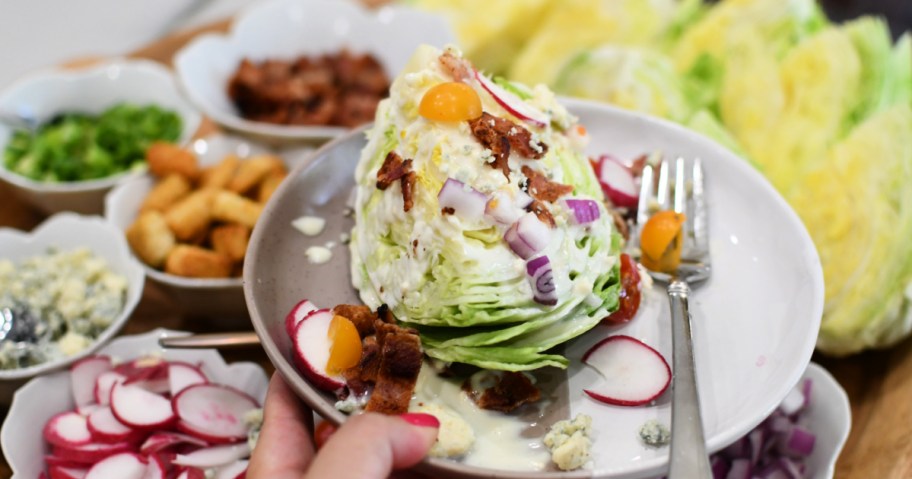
(680,188)
(646,195)
(663,190)
(700,221)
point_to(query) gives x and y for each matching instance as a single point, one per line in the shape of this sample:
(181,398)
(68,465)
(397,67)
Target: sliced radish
(181,375)
(63,472)
(191,473)
(311,341)
(213,412)
(92,452)
(297,314)
(156,469)
(634,373)
(139,408)
(235,470)
(88,409)
(160,441)
(83,374)
(617,182)
(126,465)
(214,456)
(512,103)
(106,428)
(150,373)
(67,429)
(52,460)
(103,386)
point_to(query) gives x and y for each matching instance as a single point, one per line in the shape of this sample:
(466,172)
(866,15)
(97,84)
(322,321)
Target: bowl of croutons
(190,218)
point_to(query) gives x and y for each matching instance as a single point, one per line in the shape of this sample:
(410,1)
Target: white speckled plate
(755,320)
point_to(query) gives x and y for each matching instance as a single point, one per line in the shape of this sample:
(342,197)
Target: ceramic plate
(755,320)
(43,397)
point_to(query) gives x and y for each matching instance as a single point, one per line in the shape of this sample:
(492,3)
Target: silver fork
(689,459)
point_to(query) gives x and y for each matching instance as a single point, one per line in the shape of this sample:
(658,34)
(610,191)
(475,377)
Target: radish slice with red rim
(92,452)
(125,465)
(191,473)
(213,412)
(617,182)
(311,342)
(64,472)
(83,375)
(67,429)
(106,428)
(512,103)
(156,469)
(297,314)
(52,460)
(103,386)
(634,373)
(182,375)
(139,408)
(162,440)
(214,456)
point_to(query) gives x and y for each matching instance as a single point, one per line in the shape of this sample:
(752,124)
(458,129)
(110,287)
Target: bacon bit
(392,169)
(541,188)
(415,247)
(541,211)
(520,138)
(361,316)
(400,362)
(636,168)
(490,139)
(459,68)
(408,188)
(513,389)
(447,210)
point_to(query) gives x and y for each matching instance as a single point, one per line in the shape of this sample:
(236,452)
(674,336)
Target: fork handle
(689,459)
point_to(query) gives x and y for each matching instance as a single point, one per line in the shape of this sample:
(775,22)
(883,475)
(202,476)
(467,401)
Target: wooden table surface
(879,383)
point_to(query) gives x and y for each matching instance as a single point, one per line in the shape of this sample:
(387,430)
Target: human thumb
(371,446)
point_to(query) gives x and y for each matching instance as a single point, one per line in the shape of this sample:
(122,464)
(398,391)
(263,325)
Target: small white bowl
(68,231)
(829,418)
(43,95)
(287,29)
(37,401)
(221,299)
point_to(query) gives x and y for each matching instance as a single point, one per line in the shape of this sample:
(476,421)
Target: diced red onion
(544,291)
(467,202)
(522,199)
(502,209)
(793,402)
(740,469)
(584,211)
(528,236)
(799,442)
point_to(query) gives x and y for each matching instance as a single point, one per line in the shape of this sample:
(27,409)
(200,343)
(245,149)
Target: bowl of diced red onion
(136,411)
(801,439)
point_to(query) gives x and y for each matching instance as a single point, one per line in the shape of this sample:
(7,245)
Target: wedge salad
(493,240)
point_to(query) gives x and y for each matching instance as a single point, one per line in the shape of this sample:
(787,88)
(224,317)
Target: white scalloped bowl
(45,94)
(208,298)
(287,29)
(35,403)
(829,417)
(68,231)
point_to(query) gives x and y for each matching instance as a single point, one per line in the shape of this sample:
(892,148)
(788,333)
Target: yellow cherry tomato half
(661,241)
(344,345)
(451,101)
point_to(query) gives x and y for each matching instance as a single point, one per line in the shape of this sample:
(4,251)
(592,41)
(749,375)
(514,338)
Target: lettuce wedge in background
(823,110)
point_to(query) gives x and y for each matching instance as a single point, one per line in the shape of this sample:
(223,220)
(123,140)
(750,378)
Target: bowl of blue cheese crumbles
(65,290)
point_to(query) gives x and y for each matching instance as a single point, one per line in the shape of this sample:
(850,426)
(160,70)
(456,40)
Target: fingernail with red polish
(420,419)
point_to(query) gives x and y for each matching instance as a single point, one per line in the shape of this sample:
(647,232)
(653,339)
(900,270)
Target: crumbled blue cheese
(318,254)
(569,442)
(352,404)
(655,434)
(455,437)
(309,225)
(72,297)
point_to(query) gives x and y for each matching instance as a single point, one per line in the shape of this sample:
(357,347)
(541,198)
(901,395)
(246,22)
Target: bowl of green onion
(68,136)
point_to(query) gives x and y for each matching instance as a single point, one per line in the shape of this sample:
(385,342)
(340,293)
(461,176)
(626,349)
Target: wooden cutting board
(879,384)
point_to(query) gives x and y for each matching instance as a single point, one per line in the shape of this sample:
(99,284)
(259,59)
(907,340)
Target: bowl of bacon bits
(303,69)
(136,411)
(190,219)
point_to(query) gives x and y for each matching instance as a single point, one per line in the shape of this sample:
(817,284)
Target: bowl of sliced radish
(134,410)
